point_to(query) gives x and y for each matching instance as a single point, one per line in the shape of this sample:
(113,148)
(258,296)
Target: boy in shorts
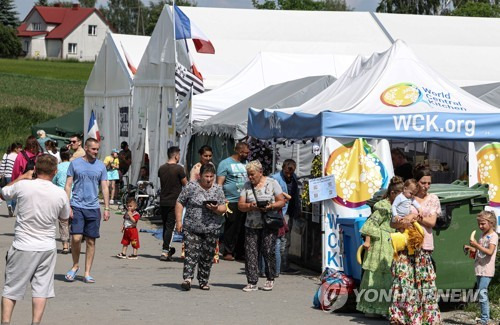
(129,229)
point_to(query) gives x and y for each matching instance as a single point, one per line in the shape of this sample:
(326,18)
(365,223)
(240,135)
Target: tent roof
(394,91)
(233,121)
(266,69)
(65,125)
(111,74)
(458,47)
(489,93)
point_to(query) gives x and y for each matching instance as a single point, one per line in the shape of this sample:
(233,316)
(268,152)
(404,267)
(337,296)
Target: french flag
(93,130)
(185,28)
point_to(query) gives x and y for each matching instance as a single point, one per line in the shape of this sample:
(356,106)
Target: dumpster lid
(451,193)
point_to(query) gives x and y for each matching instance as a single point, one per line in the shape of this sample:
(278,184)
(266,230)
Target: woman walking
(6,167)
(60,181)
(379,253)
(205,203)
(26,158)
(50,147)
(259,195)
(414,277)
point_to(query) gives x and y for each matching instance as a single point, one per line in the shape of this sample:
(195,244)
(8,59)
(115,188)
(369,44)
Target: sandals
(71,274)
(204,286)
(88,279)
(186,285)
(65,251)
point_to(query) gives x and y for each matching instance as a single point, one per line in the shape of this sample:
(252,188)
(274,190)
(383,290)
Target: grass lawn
(34,91)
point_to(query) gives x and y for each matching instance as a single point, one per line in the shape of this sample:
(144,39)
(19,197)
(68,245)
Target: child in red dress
(129,229)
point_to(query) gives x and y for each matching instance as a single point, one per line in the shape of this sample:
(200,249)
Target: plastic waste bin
(459,206)
(351,239)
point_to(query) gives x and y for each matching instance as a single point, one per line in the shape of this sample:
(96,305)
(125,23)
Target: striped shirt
(7,164)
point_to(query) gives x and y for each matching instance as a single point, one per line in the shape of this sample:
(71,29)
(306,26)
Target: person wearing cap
(112,164)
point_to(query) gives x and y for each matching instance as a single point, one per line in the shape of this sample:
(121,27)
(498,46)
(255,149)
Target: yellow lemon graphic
(401,95)
(358,173)
(488,169)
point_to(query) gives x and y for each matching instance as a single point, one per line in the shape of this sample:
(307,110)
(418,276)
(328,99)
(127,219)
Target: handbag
(3,179)
(272,219)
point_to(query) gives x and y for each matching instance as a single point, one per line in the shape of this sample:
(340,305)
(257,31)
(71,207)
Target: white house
(64,33)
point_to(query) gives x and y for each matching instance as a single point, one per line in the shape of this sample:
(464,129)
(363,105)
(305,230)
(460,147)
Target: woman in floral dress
(415,299)
(379,253)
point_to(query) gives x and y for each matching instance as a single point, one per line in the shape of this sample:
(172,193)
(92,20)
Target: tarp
(266,69)
(463,49)
(65,126)
(232,122)
(391,95)
(489,93)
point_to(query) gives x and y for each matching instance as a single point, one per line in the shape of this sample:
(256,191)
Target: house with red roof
(63,33)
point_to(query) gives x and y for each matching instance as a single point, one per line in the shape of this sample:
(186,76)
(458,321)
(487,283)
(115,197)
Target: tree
(10,45)
(8,14)
(88,3)
(155,11)
(317,5)
(414,7)
(477,9)
(44,3)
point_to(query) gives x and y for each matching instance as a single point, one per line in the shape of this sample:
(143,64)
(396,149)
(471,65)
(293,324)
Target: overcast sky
(24,6)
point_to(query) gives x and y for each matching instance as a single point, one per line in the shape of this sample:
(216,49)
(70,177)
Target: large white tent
(464,49)
(391,95)
(109,88)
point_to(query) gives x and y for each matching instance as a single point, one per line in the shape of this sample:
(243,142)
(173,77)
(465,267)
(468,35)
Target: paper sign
(322,188)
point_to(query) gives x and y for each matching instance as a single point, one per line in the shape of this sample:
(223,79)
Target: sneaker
(121,255)
(250,287)
(165,257)
(186,285)
(132,257)
(268,286)
(228,257)
(111,201)
(11,211)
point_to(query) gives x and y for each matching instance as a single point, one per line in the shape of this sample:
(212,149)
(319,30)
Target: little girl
(485,251)
(129,229)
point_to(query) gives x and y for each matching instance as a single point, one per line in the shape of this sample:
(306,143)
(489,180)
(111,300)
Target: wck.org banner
(361,168)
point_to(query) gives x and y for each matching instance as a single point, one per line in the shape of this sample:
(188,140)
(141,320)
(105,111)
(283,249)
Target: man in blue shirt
(85,174)
(289,184)
(232,175)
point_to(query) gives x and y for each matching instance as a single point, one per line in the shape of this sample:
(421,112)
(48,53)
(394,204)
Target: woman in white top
(6,165)
(51,148)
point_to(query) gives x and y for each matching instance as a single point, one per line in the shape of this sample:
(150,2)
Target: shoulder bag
(272,219)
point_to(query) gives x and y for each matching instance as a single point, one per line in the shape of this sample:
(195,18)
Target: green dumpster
(459,207)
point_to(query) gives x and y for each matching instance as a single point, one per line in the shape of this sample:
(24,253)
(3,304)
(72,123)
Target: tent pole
(322,207)
(298,158)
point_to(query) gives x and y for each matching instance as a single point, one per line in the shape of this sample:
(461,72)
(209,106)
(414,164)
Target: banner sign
(124,118)
(322,188)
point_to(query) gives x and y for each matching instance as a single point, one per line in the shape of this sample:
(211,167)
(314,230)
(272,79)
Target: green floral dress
(378,259)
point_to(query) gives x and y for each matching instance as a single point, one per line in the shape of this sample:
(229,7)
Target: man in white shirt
(32,256)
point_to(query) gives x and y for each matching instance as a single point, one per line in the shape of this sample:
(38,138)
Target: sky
(24,6)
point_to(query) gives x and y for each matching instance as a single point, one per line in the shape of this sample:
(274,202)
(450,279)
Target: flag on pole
(185,79)
(130,63)
(185,28)
(93,130)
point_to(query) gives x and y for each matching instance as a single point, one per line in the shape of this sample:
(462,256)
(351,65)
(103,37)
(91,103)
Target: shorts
(23,267)
(113,175)
(131,236)
(86,222)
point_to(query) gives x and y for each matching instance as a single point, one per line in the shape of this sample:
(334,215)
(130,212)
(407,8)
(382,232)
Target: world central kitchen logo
(406,94)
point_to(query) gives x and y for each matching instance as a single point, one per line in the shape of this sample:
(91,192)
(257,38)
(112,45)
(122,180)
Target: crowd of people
(235,204)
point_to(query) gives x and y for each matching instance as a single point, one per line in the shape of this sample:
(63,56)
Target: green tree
(88,3)
(10,45)
(318,5)
(8,14)
(155,9)
(44,3)
(414,7)
(477,9)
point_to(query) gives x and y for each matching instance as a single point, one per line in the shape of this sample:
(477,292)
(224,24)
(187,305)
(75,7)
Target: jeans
(280,243)
(168,220)
(482,286)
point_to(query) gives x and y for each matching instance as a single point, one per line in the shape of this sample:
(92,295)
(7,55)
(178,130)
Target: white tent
(266,69)
(391,95)
(458,47)
(109,88)
(154,97)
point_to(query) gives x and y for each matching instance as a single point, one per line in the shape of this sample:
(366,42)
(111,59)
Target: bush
(10,45)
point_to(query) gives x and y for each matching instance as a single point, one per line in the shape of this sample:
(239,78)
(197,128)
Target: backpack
(30,162)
